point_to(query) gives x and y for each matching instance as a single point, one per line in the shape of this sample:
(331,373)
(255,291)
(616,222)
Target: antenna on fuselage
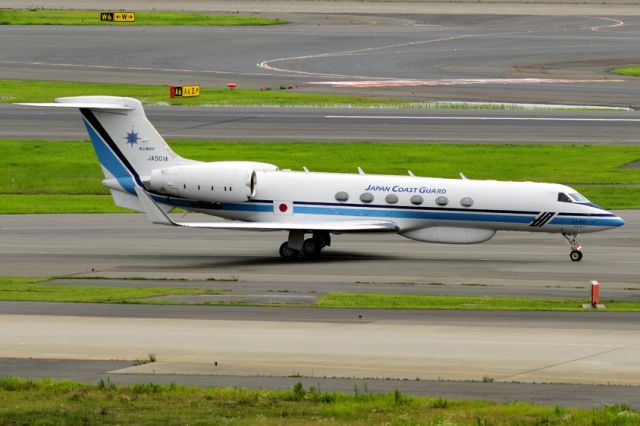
(411,173)
(360,171)
(305,169)
(463,176)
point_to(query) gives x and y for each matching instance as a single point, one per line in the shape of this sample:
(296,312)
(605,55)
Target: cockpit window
(564,198)
(574,197)
(578,198)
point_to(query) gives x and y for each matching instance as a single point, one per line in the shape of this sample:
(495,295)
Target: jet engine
(220,182)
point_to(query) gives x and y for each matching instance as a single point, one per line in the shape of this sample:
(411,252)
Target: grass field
(467,303)
(46,401)
(634,70)
(33,289)
(47,91)
(39,176)
(38,290)
(37,16)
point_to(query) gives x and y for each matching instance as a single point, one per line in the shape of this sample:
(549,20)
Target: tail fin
(126,143)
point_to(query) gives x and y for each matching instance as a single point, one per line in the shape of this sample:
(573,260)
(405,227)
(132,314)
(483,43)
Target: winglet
(154,213)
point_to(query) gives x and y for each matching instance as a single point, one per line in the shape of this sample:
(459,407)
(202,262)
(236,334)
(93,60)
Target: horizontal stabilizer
(88,102)
(156,215)
(87,105)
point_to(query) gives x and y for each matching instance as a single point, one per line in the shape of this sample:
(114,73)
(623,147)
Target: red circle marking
(282,207)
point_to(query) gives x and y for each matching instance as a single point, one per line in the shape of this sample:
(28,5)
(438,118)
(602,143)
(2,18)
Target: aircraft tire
(576,255)
(311,247)
(288,253)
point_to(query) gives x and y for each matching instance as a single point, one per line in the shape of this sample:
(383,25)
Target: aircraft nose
(616,221)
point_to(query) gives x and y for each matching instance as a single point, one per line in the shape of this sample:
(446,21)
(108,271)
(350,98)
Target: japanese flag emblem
(283,207)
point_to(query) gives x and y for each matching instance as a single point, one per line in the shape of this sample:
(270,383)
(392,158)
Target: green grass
(634,70)
(47,91)
(32,289)
(37,289)
(480,303)
(57,204)
(47,401)
(39,176)
(92,17)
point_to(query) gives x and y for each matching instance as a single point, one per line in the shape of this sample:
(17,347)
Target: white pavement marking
(432,117)
(458,82)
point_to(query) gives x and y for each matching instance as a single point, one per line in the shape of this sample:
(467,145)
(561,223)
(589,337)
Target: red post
(595,293)
(171,92)
(232,85)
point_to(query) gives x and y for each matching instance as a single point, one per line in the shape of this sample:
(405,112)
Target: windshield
(574,197)
(578,198)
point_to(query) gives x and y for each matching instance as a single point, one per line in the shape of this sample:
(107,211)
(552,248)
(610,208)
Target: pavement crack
(215,123)
(557,364)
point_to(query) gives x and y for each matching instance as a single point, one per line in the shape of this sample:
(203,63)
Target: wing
(157,215)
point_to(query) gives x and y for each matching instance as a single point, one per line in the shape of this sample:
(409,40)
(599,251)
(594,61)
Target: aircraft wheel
(311,247)
(576,255)
(288,253)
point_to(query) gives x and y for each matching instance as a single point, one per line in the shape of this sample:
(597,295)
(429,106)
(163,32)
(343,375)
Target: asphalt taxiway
(128,245)
(346,124)
(520,58)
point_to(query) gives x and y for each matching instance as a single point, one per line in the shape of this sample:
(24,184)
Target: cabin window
(564,198)
(417,200)
(212,188)
(185,186)
(466,202)
(225,189)
(442,201)
(391,198)
(198,187)
(342,196)
(366,197)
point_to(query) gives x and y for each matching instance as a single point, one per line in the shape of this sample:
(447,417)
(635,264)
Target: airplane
(144,174)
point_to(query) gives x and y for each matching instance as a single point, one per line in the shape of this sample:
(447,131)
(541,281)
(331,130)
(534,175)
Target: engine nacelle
(451,235)
(219,182)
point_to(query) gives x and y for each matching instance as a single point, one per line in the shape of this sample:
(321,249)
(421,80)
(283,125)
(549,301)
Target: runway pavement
(346,124)
(128,245)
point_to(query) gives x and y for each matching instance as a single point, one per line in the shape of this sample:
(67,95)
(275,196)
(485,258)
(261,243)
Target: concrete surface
(377,349)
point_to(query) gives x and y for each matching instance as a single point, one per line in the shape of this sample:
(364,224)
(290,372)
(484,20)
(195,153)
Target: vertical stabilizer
(126,143)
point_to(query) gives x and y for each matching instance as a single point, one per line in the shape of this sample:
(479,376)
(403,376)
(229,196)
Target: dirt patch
(631,165)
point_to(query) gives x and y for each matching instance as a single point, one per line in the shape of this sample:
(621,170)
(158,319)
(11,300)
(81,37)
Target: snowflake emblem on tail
(132,137)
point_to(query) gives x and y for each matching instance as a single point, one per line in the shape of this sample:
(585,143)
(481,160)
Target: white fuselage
(490,205)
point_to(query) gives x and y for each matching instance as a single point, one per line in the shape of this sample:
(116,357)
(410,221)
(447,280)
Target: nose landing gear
(576,253)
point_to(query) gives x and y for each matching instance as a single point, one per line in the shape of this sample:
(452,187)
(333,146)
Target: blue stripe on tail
(109,160)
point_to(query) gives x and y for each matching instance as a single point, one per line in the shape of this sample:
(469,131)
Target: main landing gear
(576,253)
(296,246)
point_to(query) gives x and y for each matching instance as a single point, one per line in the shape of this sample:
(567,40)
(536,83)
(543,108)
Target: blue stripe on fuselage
(413,214)
(266,206)
(586,221)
